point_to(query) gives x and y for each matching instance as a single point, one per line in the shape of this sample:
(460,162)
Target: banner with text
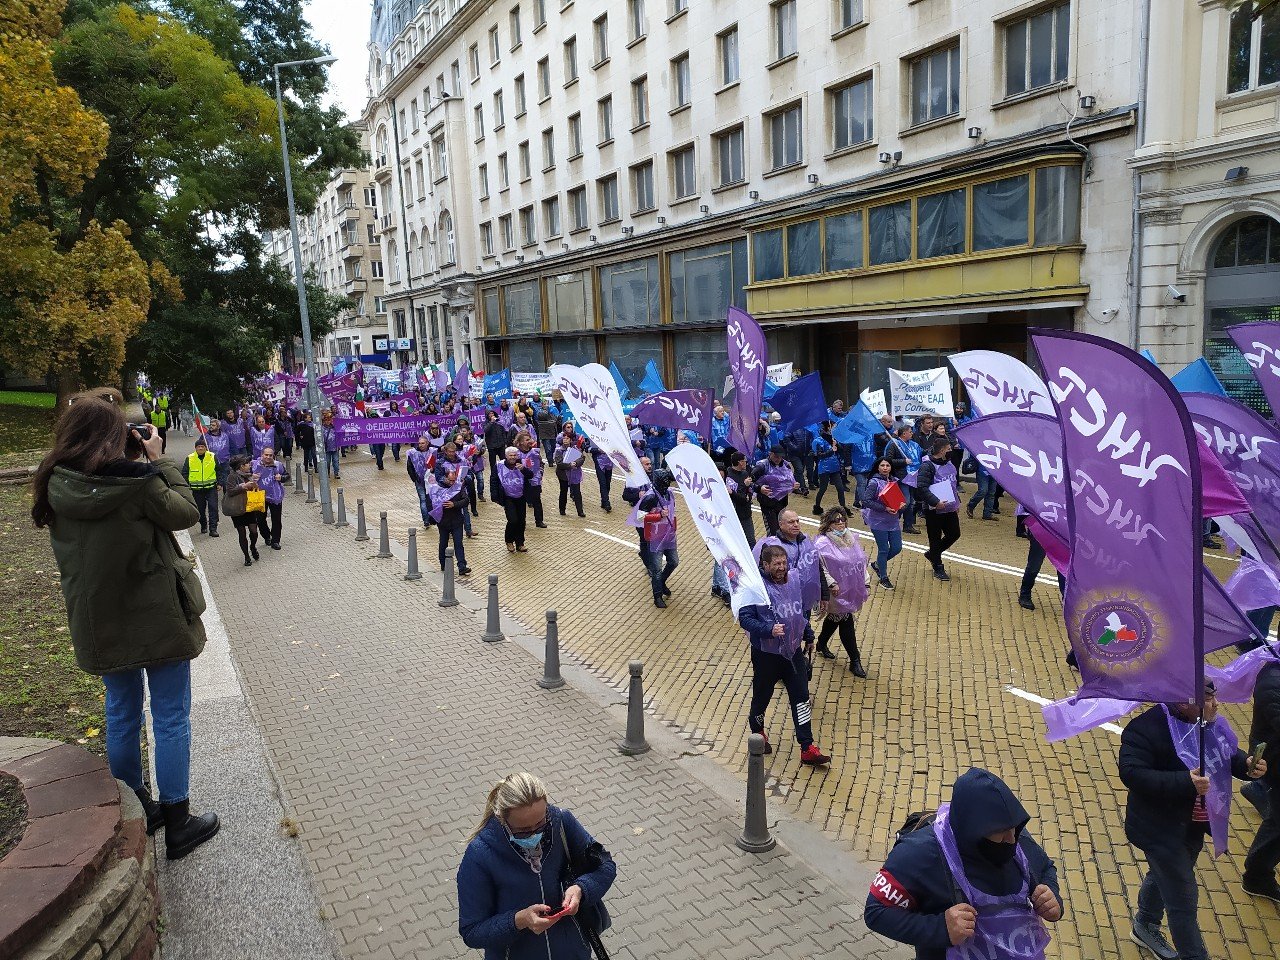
(997,382)
(352,431)
(914,393)
(597,411)
(675,410)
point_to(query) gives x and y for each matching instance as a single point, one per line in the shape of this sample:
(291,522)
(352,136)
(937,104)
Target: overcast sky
(344,26)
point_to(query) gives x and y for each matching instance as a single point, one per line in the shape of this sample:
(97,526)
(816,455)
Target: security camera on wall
(1176,293)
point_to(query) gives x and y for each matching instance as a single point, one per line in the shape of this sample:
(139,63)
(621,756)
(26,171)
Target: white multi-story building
(879,182)
(339,245)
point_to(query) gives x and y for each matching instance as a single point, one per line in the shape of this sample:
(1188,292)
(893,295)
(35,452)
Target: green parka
(133,598)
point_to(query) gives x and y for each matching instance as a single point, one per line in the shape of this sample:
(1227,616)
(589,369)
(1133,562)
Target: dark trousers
(605,479)
(943,530)
(286,447)
(986,493)
(798,468)
(473,499)
(748,522)
(660,573)
(770,508)
(269,523)
(1035,560)
(207,504)
(309,461)
(1264,854)
(766,670)
(517,510)
(451,529)
(533,495)
(1170,887)
(834,479)
(848,636)
(574,491)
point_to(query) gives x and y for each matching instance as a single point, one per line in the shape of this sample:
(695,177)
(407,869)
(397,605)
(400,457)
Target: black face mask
(996,853)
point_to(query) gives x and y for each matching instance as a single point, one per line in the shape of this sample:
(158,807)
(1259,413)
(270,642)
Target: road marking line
(609,536)
(1026,695)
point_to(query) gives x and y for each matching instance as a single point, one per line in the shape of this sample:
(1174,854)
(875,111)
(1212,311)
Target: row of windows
(1012,211)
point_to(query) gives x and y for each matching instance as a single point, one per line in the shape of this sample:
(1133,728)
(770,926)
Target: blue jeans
(719,579)
(170,687)
(424,502)
(889,545)
(331,458)
(658,573)
(1170,886)
(986,493)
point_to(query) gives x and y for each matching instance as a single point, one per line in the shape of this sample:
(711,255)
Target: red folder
(891,496)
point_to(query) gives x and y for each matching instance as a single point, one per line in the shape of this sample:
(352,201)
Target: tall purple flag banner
(356,430)
(1134,617)
(748,365)
(462,379)
(592,395)
(440,379)
(996,382)
(677,410)
(1260,344)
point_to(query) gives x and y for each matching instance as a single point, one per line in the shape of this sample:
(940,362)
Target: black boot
(155,818)
(183,832)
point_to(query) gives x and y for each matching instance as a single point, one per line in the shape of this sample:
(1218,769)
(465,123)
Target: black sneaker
(1025,603)
(940,572)
(1267,889)
(213,533)
(660,603)
(1148,935)
(886,583)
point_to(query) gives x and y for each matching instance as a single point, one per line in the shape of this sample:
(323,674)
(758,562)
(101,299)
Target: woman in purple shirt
(884,523)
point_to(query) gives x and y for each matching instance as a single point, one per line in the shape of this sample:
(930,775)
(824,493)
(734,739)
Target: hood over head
(981,803)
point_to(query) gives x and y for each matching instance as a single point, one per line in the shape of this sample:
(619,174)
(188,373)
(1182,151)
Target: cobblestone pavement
(943,659)
(387,720)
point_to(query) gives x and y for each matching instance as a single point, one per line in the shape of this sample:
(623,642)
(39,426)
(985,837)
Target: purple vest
(533,460)
(235,437)
(269,479)
(1220,746)
(944,473)
(572,471)
(779,479)
(419,460)
(511,478)
(802,566)
(846,567)
(1008,927)
(262,439)
(662,534)
(219,445)
(785,599)
(442,495)
(879,519)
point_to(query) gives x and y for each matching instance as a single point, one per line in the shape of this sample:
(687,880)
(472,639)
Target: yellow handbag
(255,501)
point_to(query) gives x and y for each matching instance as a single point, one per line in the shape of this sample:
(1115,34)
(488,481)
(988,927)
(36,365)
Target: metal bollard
(493,626)
(755,835)
(384,537)
(342,511)
(362,532)
(311,488)
(413,573)
(447,597)
(551,679)
(297,478)
(635,743)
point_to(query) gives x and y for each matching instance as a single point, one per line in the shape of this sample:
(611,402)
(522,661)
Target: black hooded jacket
(915,888)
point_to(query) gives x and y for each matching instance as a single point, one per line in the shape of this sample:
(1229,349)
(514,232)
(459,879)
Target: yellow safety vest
(159,418)
(202,472)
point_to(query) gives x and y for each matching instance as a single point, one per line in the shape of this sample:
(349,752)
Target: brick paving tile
(387,720)
(941,658)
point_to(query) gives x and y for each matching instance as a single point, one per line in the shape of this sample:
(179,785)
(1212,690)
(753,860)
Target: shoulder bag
(592,919)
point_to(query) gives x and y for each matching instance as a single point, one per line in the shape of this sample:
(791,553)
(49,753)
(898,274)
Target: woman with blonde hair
(531,871)
(845,565)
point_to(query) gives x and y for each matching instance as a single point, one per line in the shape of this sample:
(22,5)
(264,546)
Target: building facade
(339,245)
(879,182)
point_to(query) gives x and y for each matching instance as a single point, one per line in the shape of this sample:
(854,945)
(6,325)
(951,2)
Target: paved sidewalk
(387,720)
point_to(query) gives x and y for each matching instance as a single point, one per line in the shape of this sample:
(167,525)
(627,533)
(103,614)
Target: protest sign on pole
(914,393)
(874,399)
(529,383)
(780,374)
(800,403)
(675,410)
(1260,344)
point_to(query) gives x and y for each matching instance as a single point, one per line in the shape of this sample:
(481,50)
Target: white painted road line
(1026,695)
(609,536)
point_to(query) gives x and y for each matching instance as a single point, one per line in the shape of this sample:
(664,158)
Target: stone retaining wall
(82,884)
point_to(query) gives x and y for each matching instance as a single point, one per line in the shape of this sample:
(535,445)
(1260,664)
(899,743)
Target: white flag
(999,383)
(597,410)
(707,498)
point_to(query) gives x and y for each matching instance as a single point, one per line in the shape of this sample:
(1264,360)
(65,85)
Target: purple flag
(1134,616)
(1260,344)
(441,379)
(677,410)
(748,362)
(462,379)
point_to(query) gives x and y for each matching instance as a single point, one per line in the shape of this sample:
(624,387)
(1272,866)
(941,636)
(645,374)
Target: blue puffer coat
(495,882)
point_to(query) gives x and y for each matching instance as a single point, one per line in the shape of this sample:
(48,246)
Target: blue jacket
(719,434)
(828,462)
(759,620)
(495,883)
(915,887)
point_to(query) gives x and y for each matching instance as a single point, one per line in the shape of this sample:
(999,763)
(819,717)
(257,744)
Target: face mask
(528,843)
(996,853)
(839,533)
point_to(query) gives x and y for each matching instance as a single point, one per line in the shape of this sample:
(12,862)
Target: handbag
(594,919)
(255,501)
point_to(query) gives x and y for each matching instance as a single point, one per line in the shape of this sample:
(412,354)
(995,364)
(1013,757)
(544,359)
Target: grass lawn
(42,691)
(28,398)
(26,429)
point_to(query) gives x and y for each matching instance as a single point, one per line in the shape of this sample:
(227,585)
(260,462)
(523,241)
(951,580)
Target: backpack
(919,820)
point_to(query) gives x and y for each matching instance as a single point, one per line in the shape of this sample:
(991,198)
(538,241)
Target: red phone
(555,916)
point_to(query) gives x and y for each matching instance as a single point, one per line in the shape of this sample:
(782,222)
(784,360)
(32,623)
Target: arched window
(445,239)
(1242,284)
(381,159)
(428,252)
(415,256)
(393,253)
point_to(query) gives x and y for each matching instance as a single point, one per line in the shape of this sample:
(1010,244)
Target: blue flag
(618,380)
(858,425)
(800,402)
(769,389)
(453,367)
(652,382)
(1198,377)
(498,384)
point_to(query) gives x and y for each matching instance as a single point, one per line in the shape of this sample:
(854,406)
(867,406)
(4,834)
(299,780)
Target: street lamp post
(313,390)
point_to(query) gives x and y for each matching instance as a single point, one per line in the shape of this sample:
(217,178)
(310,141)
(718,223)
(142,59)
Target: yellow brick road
(940,657)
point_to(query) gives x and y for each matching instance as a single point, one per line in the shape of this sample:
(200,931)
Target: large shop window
(524,307)
(702,359)
(804,248)
(526,356)
(631,352)
(1000,213)
(491,321)
(570,301)
(940,219)
(844,241)
(575,350)
(706,281)
(766,255)
(1057,206)
(891,233)
(630,294)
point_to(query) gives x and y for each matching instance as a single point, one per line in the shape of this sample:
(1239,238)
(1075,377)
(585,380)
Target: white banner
(874,399)
(531,382)
(779,374)
(998,383)
(597,410)
(274,393)
(707,498)
(476,391)
(917,392)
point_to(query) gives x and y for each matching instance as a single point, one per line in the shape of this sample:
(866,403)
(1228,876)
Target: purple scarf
(1220,746)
